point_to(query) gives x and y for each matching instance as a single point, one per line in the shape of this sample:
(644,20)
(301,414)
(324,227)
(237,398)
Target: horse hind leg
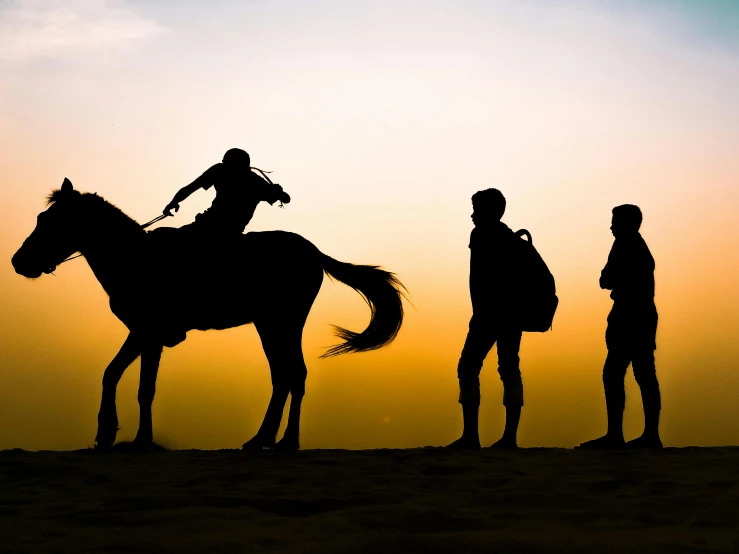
(298,372)
(150,356)
(282,345)
(270,336)
(265,437)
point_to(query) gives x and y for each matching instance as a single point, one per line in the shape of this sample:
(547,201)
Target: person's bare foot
(607,442)
(646,442)
(465,443)
(505,444)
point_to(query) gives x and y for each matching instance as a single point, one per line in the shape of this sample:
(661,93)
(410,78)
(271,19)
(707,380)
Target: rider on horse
(238,192)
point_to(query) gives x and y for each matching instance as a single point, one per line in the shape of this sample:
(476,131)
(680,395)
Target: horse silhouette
(157,284)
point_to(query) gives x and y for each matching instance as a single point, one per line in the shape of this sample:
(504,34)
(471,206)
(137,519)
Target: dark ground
(421,500)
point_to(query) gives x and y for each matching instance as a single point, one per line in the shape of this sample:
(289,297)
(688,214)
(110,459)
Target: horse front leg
(151,354)
(108,416)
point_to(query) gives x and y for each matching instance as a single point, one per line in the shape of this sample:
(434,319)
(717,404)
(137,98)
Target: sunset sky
(381,119)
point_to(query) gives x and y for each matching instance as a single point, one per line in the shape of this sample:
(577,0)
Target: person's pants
(614,371)
(481,337)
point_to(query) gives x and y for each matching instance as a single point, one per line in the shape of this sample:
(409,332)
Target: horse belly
(279,279)
(219,311)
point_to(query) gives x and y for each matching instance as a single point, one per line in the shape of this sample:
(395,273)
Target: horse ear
(67,186)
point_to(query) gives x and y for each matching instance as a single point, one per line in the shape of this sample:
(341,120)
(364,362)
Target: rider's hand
(171,206)
(276,194)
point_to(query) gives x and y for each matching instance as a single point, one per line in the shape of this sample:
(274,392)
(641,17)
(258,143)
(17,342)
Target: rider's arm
(204,181)
(272,192)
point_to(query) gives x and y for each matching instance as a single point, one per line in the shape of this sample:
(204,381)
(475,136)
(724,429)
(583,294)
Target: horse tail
(383,293)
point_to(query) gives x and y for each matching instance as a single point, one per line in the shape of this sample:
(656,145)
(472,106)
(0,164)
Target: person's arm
(481,273)
(275,193)
(609,277)
(204,182)
(272,192)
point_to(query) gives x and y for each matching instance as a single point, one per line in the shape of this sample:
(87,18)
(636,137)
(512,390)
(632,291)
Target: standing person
(238,193)
(493,270)
(631,331)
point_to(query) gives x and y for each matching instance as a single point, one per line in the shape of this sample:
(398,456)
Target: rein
(153,221)
(264,174)
(164,216)
(144,226)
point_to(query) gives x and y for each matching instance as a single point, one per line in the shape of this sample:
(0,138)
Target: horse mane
(112,214)
(55,196)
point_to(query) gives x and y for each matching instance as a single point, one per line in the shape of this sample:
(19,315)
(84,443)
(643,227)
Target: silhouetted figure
(270,279)
(238,192)
(631,332)
(494,257)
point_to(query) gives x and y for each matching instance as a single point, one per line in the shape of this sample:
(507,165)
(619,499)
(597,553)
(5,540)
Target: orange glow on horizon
(381,138)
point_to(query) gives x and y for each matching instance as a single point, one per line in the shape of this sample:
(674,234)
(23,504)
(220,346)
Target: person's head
(488,206)
(237,158)
(626,220)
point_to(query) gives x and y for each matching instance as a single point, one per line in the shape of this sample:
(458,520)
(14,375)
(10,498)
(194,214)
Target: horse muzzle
(23,267)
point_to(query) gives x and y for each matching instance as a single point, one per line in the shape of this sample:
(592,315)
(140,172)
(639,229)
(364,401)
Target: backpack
(536,295)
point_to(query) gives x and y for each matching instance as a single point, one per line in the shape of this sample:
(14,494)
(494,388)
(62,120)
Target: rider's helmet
(237,158)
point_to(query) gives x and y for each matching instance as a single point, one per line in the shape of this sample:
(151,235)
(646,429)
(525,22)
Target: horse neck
(112,248)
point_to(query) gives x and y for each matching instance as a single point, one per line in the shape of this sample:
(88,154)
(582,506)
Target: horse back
(226,283)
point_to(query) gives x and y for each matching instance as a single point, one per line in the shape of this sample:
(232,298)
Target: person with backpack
(238,193)
(631,331)
(502,267)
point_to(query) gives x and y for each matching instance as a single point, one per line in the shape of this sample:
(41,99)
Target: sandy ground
(421,500)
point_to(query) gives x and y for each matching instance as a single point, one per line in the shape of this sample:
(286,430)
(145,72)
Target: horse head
(55,237)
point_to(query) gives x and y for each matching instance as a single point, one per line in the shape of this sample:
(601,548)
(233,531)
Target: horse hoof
(138,447)
(104,441)
(257,444)
(287,446)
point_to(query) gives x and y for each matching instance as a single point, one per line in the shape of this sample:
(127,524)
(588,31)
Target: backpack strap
(524,232)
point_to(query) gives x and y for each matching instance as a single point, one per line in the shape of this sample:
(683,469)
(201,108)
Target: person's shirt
(492,270)
(629,273)
(238,193)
